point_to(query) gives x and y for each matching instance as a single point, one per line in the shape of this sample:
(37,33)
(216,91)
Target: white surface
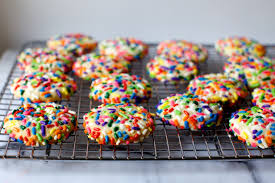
(125,171)
(201,21)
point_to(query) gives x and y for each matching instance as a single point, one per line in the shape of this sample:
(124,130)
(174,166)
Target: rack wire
(166,143)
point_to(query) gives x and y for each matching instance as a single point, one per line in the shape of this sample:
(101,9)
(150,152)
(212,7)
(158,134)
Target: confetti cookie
(239,46)
(93,66)
(44,60)
(121,88)
(217,88)
(254,126)
(253,71)
(171,69)
(43,87)
(127,48)
(188,50)
(118,124)
(187,111)
(78,44)
(264,97)
(40,124)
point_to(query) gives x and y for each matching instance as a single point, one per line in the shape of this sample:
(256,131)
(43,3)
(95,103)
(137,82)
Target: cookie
(236,45)
(187,111)
(127,48)
(44,60)
(121,88)
(253,71)
(43,87)
(117,124)
(40,124)
(93,66)
(254,126)
(188,50)
(171,69)
(264,97)
(75,43)
(217,88)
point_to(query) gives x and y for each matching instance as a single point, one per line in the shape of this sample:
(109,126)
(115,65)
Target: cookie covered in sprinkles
(237,45)
(117,124)
(127,48)
(254,126)
(44,60)
(264,97)
(121,88)
(187,111)
(43,87)
(40,124)
(253,71)
(93,66)
(171,69)
(188,50)
(217,88)
(75,43)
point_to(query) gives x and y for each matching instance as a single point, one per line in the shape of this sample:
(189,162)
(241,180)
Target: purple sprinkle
(43,122)
(96,122)
(103,124)
(43,131)
(65,122)
(135,128)
(254,131)
(266,105)
(58,93)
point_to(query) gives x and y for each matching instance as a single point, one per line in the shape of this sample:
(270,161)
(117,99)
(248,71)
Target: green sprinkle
(110,124)
(249,121)
(39,137)
(168,116)
(261,97)
(38,126)
(107,95)
(273,91)
(254,109)
(177,112)
(123,115)
(22,127)
(165,107)
(116,136)
(116,128)
(256,85)
(9,131)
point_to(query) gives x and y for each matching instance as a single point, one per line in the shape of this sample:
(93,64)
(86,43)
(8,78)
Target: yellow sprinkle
(245,135)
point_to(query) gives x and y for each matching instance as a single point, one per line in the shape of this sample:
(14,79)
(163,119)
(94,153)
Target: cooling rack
(166,143)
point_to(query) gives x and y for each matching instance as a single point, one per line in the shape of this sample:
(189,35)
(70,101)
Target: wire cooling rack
(167,142)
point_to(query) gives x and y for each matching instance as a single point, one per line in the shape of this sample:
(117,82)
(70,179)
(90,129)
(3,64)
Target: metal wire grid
(167,142)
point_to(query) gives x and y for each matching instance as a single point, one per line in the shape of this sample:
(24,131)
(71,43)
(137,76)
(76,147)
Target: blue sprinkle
(119,134)
(259,141)
(29,100)
(106,139)
(20,141)
(126,137)
(186,124)
(259,119)
(28,124)
(133,95)
(114,89)
(33,131)
(259,132)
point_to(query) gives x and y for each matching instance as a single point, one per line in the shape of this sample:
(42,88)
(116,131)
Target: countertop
(130,171)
